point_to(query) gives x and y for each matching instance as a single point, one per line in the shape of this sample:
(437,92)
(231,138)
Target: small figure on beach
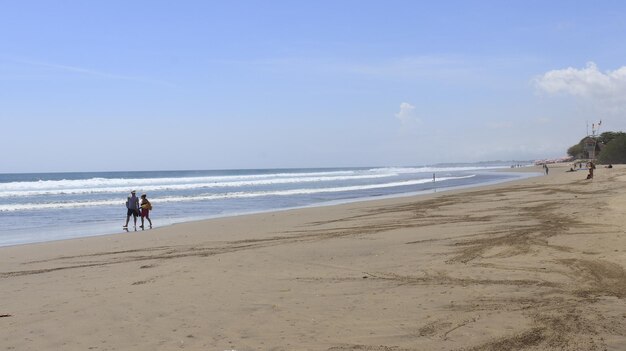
(132,208)
(591,167)
(547,169)
(146,206)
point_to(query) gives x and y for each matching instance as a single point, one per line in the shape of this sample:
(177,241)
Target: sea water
(39,207)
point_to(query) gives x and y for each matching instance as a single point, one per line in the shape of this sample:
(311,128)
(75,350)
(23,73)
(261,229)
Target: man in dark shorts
(132,206)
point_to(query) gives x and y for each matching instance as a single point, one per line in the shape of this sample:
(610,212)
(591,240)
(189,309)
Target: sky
(178,85)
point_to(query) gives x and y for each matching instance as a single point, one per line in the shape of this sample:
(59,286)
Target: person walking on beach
(146,206)
(132,208)
(591,168)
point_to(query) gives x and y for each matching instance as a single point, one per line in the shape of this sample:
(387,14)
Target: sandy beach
(534,264)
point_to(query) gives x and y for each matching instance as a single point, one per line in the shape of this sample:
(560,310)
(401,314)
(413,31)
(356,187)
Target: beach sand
(534,264)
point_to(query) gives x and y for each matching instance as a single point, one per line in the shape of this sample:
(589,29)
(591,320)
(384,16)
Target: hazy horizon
(499,163)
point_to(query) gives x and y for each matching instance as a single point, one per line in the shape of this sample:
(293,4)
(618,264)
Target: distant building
(554,160)
(592,147)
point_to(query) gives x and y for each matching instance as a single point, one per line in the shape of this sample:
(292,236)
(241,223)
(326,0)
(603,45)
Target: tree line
(610,147)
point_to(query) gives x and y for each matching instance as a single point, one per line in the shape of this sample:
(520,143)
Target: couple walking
(136,207)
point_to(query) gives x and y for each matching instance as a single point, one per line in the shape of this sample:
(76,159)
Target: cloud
(407,116)
(414,67)
(80,71)
(391,68)
(589,84)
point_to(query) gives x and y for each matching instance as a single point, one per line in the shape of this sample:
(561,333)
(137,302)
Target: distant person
(591,168)
(132,207)
(146,206)
(547,169)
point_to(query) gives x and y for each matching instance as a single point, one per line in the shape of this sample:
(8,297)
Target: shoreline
(172,222)
(531,264)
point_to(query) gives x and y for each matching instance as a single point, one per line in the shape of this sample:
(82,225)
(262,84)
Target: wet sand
(534,264)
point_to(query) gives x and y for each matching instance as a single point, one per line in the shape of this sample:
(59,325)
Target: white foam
(197,183)
(219,196)
(104,182)
(432,169)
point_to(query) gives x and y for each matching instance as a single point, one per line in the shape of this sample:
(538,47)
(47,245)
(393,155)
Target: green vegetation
(610,148)
(577,151)
(606,137)
(614,151)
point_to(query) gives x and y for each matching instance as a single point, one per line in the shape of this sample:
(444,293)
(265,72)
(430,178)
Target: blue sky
(155,85)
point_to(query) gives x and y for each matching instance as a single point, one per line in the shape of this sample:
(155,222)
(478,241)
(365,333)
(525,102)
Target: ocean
(38,207)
